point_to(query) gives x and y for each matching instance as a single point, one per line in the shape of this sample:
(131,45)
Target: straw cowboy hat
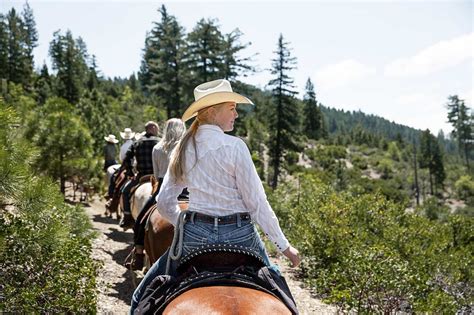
(212,93)
(127,134)
(111,138)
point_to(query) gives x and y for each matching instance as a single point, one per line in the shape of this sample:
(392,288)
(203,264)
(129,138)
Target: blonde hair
(178,158)
(173,132)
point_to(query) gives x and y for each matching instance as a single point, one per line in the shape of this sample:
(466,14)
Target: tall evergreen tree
(93,109)
(69,59)
(284,118)
(205,51)
(432,159)
(63,140)
(162,62)
(93,76)
(3,48)
(233,65)
(16,50)
(30,39)
(18,37)
(43,85)
(313,121)
(463,125)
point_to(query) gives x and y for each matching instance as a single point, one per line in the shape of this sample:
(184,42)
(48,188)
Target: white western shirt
(124,148)
(160,161)
(221,181)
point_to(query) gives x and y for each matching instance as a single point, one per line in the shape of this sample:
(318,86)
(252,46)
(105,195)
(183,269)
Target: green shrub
(360,162)
(465,188)
(45,244)
(367,254)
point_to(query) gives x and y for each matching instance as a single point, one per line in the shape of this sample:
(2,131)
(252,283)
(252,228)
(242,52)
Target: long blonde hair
(178,158)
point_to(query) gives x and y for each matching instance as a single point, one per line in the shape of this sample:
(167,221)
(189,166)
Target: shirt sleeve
(155,157)
(127,162)
(167,199)
(123,151)
(254,197)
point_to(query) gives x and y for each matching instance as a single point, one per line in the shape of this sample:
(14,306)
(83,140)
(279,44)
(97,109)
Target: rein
(177,242)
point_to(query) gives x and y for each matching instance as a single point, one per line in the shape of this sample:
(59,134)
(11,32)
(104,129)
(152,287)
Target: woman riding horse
(174,131)
(225,193)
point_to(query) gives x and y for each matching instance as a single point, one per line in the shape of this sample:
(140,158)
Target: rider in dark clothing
(142,151)
(173,132)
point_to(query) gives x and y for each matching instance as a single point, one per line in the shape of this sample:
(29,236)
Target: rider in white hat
(225,193)
(110,151)
(128,136)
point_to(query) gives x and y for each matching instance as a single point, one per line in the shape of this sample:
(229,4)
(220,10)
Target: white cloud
(343,73)
(439,56)
(421,110)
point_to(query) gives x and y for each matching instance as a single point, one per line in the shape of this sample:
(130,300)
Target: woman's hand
(293,255)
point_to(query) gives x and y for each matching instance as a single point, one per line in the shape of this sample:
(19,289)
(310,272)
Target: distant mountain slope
(341,121)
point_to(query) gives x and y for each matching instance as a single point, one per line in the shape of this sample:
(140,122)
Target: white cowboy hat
(111,138)
(127,134)
(212,93)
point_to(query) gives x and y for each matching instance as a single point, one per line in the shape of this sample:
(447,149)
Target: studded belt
(228,219)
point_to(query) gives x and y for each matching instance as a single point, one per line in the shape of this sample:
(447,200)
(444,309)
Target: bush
(326,156)
(465,189)
(366,254)
(45,244)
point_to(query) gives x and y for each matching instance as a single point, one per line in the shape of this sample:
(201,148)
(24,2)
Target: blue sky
(396,59)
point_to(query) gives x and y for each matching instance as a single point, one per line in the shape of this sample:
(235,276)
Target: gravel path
(115,282)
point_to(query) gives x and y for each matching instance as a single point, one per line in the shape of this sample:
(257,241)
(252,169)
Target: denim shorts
(197,234)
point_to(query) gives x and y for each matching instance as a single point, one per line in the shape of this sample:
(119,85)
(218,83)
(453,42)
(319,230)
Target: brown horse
(159,234)
(112,205)
(226,300)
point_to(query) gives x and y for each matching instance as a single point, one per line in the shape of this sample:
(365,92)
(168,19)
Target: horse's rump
(139,196)
(120,179)
(226,300)
(218,269)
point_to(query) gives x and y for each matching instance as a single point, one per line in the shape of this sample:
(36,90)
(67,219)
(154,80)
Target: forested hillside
(382,213)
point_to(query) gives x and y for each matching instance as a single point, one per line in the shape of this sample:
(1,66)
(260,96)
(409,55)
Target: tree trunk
(417,188)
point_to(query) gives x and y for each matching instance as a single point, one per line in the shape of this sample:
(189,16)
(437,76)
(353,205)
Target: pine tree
(18,37)
(63,140)
(463,125)
(93,77)
(16,51)
(43,85)
(313,121)
(69,59)
(284,118)
(234,66)
(162,64)
(30,39)
(3,48)
(93,109)
(432,159)
(205,51)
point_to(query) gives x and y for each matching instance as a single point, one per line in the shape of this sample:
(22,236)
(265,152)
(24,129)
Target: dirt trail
(115,283)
